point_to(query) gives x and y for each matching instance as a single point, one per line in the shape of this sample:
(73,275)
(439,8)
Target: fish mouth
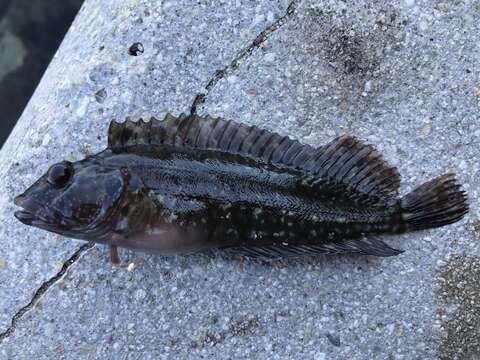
(43,216)
(25,217)
(29,215)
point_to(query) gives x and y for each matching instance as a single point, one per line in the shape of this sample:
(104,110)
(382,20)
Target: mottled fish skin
(189,184)
(235,201)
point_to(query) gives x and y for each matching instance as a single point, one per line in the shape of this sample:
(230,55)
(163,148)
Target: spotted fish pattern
(191,183)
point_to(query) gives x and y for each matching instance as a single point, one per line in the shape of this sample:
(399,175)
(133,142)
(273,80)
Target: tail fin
(436,203)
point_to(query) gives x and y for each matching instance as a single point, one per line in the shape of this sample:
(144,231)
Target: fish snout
(19,200)
(29,209)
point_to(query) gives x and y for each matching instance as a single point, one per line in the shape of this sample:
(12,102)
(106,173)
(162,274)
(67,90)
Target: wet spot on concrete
(353,47)
(355,51)
(243,327)
(459,286)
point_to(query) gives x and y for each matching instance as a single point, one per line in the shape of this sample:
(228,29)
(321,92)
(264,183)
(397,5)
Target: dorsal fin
(346,161)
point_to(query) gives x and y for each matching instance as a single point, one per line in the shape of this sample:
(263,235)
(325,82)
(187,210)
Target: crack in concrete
(199,99)
(43,289)
(243,54)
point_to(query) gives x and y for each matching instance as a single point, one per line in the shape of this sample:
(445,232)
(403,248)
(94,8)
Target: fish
(188,183)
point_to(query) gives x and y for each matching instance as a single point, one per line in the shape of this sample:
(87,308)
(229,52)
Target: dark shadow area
(30,33)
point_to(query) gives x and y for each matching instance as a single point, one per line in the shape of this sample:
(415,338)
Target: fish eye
(59,174)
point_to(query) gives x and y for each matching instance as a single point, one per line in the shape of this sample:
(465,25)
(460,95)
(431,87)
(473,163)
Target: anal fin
(371,246)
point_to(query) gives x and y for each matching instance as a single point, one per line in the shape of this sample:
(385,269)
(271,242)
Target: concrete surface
(402,74)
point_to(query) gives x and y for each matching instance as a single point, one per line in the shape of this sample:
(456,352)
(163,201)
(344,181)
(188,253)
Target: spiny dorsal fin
(154,132)
(346,162)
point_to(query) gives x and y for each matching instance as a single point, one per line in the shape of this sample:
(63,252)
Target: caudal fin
(436,203)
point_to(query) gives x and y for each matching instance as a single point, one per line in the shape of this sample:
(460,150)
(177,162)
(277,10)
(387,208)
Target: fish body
(187,184)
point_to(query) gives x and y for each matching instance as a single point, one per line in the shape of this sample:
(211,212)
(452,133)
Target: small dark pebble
(136,49)
(334,339)
(101,95)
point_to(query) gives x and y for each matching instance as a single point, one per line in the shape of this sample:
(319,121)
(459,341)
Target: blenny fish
(191,183)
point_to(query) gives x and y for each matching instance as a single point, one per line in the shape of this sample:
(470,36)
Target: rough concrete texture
(402,74)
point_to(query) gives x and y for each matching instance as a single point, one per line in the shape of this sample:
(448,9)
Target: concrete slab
(93,79)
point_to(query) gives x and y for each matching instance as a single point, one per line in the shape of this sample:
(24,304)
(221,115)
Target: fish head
(75,199)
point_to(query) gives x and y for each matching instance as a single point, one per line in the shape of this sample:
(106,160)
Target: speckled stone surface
(401,74)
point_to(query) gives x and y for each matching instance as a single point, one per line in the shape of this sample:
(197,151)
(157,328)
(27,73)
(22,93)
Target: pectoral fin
(114,258)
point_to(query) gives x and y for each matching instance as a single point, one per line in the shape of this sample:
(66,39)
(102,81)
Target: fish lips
(25,217)
(29,215)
